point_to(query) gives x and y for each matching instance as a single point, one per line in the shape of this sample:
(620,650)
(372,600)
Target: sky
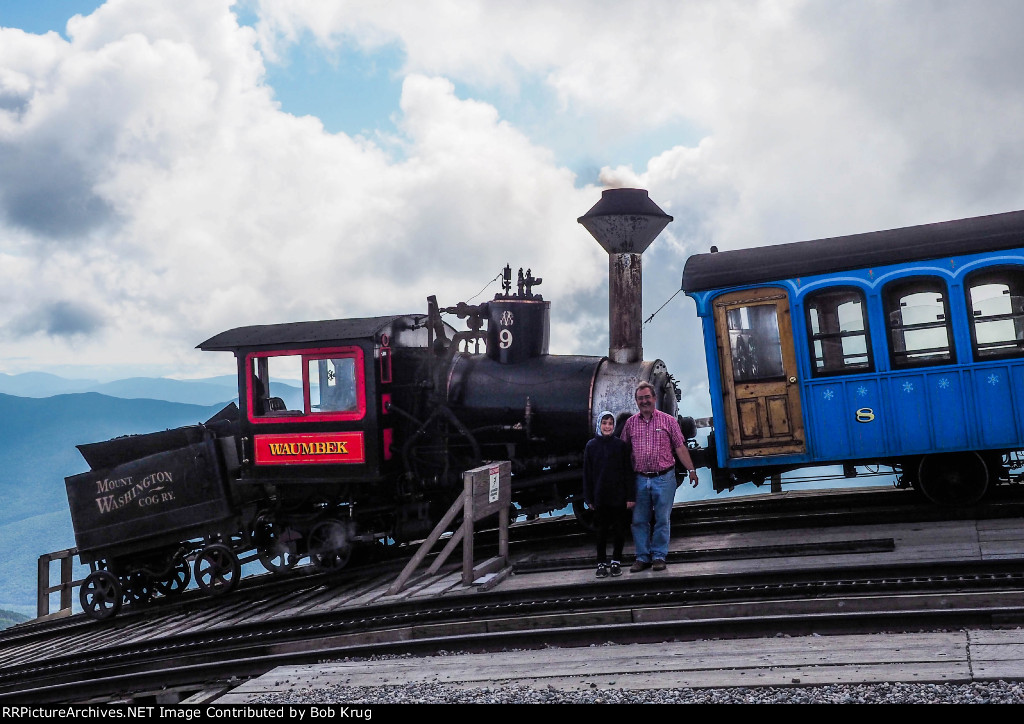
(170,170)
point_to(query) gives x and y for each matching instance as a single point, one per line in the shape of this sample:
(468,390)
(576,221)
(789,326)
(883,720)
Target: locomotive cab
(309,408)
(317,426)
(317,395)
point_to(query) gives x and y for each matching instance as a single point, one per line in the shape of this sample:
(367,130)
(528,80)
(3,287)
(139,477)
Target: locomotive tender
(902,347)
(370,446)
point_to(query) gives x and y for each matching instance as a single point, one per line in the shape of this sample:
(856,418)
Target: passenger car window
(995,300)
(920,331)
(837,329)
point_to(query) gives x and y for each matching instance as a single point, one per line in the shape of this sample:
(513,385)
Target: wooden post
(65,576)
(486,490)
(43,586)
(65,586)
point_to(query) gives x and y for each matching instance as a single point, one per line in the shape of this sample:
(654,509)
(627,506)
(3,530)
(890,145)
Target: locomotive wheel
(217,569)
(281,558)
(584,515)
(329,546)
(138,588)
(953,478)
(276,546)
(176,581)
(100,595)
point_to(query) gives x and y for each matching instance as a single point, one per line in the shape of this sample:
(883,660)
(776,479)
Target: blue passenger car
(902,347)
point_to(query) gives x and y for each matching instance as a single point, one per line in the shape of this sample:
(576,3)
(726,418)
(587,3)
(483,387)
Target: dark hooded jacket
(608,479)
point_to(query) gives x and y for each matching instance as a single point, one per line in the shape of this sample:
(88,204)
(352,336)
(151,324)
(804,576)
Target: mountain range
(42,418)
(207,391)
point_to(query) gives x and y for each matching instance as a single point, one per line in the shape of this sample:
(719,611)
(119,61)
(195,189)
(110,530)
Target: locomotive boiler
(355,432)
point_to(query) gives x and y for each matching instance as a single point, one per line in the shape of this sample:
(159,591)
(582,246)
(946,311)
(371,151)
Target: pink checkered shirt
(653,442)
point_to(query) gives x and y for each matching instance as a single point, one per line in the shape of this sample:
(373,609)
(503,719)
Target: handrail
(66,585)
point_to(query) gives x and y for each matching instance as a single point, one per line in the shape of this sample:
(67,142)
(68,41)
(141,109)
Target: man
(655,437)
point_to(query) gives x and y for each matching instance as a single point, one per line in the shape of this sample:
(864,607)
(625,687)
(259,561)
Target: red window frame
(307,414)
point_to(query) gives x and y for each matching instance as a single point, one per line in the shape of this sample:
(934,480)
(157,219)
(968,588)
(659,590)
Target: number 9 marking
(505,338)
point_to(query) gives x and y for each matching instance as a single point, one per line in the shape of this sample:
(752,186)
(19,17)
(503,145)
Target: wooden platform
(952,657)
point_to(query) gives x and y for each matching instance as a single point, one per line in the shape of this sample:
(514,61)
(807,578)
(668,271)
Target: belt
(657,474)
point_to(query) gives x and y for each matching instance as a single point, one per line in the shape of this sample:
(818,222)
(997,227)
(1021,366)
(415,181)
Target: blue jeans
(654,497)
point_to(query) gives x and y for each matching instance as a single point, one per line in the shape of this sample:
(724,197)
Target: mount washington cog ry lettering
(148,491)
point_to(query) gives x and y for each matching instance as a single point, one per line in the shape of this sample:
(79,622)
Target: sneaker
(602,570)
(615,569)
(639,566)
(659,565)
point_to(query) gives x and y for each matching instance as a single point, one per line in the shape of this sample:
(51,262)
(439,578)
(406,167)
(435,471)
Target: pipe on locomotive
(625,222)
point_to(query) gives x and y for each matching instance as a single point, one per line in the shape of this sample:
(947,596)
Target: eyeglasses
(644,397)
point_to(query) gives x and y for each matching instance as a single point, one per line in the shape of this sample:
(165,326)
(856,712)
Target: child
(609,489)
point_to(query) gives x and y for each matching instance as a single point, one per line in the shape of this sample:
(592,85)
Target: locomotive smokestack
(625,222)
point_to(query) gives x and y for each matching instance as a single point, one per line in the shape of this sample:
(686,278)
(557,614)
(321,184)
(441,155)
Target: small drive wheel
(138,588)
(175,582)
(329,546)
(277,546)
(100,595)
(217,569)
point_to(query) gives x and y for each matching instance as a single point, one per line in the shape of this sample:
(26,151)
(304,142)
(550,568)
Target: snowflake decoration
(908,387)
(944,383)
(862,391)
(828,394)
(993,379)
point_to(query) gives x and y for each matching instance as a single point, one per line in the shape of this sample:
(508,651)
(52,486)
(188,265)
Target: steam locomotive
(371,445)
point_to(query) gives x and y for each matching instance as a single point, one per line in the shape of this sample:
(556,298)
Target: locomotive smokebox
(518,329)
(625,222)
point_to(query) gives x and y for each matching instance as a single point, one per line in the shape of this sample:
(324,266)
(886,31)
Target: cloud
(62,318)
(48,194)
(147,169)
(185,202)
(829,117)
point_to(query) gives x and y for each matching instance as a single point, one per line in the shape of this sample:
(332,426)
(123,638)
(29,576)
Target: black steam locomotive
(370,446)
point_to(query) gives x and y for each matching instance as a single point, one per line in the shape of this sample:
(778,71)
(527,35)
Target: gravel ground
(993,692)
(997,692)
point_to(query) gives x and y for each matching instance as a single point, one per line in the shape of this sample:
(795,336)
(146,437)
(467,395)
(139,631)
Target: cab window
(323,385)
(332,384)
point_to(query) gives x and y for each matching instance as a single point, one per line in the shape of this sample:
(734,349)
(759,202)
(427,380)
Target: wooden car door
(759,374)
